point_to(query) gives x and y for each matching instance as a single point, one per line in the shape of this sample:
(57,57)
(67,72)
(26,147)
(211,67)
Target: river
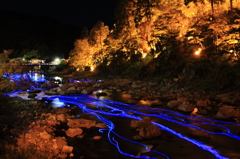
(183,135)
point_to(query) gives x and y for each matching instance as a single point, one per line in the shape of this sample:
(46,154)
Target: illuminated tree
(96,39)
(81,55)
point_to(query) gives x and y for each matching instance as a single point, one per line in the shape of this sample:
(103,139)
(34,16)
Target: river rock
(71,132)
(136,84)
(201,103)
(76,123)
(202,112)
(159,103)
(186,107)
(173,103)
(132,101)
(164,89)
(67,149)
(32,95)
(101,125)
(97,137)
(45,135)
(225,112)
(49,84)
(149,131)
(60,142)
(87,91)
(199,133)
(181,100)
(146,128)
(71,89)
(225,98)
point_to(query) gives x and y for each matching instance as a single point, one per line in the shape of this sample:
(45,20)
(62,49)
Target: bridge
(42,66)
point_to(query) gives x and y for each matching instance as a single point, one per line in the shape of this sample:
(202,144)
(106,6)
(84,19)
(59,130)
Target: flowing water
(209,138)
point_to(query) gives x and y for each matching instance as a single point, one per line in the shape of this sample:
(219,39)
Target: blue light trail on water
(122,109)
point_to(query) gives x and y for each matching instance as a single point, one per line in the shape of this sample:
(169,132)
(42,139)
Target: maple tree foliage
(161,31)
(88,51)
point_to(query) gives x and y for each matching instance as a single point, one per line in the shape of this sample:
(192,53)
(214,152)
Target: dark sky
(75,12)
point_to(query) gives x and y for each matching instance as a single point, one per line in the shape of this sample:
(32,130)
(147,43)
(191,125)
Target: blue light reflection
(122,109)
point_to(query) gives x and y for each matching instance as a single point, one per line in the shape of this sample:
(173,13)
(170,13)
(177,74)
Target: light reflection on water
(33,76)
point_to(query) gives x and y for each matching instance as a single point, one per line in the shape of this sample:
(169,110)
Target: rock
(71,89)
(67,149)
(157,103)
(44,135)
(164,89)
(32,95)
(97,137)
(101,125)
(60,142)
(64,87)
(199,133)
(76,123)
(71,132)
(134,124)
(132,101)
(173,103)
(175,79)
(146,128)
(225,98)
(49,84)
(225,112)
(237,114)
(186,107)
(85,84)
(87,91)
(181,100)
(202,112)
(149,131)
(136,84)
(137,137)
(201,103)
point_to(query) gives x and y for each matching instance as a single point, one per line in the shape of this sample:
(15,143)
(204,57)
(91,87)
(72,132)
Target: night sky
(74,12)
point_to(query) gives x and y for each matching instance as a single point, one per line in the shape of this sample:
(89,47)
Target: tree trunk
(212,5)
(231,5)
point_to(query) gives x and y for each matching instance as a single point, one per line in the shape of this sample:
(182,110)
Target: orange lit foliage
(96,39)
(89,50)
(81,55)
(146,25)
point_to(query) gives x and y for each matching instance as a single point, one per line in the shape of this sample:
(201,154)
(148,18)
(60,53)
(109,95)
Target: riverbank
(34,130)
